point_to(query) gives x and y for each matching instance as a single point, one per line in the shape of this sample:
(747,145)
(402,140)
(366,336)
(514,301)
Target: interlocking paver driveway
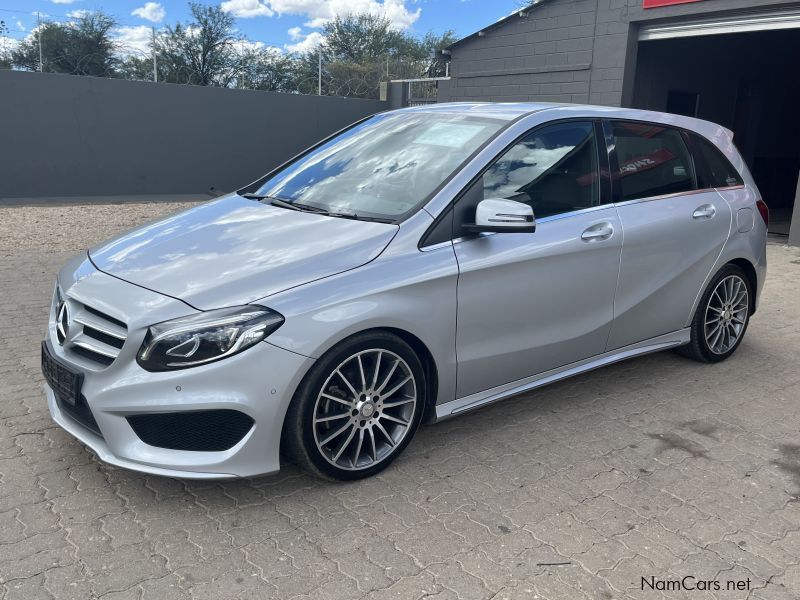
(656,467)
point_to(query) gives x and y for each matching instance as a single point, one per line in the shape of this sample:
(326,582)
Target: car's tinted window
(553,168)
(653,160)
(713,169)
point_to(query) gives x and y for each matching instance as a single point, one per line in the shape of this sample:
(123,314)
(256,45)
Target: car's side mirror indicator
(499,215)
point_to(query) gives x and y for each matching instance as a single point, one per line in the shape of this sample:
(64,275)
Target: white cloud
(295,33)
(306,42)
(319,13)
(77,14)
(21,25)
(62,1)
(151,11)
(8,44)
(247,9)
(133,40)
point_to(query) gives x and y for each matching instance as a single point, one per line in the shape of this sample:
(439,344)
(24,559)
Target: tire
(709,344)
(376,415)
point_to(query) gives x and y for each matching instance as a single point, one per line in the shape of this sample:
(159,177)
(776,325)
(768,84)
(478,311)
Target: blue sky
(292,24)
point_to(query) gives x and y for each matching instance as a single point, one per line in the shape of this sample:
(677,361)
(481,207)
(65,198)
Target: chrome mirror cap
(500,215)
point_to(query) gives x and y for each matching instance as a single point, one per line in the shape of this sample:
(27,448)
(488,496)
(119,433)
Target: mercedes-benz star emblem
(62,322)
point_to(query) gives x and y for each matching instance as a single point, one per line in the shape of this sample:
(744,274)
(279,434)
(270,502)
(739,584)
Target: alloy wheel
(726,314)
(365,409)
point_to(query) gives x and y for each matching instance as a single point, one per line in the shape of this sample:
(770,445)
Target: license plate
(65,381)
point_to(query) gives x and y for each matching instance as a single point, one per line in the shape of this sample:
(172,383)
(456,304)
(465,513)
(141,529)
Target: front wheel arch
(294,442)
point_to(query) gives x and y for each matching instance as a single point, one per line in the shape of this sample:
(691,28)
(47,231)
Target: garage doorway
(746,81)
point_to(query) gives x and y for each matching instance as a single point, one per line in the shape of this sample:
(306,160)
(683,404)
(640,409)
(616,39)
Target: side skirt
(501,392)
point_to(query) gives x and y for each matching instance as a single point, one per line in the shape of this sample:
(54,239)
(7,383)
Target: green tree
(79,47)
(364,38)
(267,69)
(201,52)
(138,68)
(5,51)
(362,50)
(355,54)
(431,44)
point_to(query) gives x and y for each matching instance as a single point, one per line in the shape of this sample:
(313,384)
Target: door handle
(706,211)
(598,232)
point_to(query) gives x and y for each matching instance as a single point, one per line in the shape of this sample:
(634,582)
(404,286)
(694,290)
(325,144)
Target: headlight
(205,337)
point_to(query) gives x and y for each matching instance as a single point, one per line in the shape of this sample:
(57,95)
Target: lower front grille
(80,412)
(200,431)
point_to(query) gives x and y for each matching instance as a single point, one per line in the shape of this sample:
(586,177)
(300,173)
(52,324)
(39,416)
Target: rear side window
(653,160)
(714,170)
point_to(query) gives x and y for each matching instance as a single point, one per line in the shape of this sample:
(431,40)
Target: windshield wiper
(357,217)
(312,209)
(284,203)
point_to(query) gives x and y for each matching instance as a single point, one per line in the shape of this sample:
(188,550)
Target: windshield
(383,167)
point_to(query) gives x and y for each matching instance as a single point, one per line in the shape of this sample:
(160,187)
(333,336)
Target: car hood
(233,251)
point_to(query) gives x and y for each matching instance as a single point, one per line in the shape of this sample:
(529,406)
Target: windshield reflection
(384,167)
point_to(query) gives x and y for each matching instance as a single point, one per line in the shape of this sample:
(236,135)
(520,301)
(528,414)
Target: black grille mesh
(201,431)
(80,412)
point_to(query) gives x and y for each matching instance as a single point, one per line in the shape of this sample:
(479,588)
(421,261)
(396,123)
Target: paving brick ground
(656,467)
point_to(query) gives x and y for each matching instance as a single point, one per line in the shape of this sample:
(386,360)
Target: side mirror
(499,215)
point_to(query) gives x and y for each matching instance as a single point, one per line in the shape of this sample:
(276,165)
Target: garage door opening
(746,82)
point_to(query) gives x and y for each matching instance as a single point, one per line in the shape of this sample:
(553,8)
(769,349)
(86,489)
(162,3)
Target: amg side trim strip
(474,401)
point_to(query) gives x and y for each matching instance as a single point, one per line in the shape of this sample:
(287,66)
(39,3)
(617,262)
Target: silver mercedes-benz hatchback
(416,265)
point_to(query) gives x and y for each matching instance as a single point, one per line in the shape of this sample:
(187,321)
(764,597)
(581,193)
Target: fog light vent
(200,431)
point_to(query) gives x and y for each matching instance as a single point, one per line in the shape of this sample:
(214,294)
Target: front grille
(201,431)
(90,333)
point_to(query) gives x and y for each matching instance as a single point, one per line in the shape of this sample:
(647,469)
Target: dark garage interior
(747,82)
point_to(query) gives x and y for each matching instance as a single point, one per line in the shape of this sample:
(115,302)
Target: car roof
(497,110)
(512,110)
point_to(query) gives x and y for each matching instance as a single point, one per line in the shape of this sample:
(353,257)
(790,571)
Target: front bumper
(101,449)
(258,382)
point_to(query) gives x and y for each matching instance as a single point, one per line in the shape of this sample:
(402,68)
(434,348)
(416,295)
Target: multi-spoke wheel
(358,407)
(722,316)
(726,314)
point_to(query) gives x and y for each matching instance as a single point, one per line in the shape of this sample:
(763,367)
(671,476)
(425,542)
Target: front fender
(413,291)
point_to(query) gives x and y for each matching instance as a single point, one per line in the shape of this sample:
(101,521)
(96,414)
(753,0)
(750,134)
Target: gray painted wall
(80,136)
(565,51)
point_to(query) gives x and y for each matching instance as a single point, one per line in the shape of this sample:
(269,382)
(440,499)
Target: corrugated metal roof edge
(499,23)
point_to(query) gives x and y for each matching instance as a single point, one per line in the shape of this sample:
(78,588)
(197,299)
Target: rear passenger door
(674,230)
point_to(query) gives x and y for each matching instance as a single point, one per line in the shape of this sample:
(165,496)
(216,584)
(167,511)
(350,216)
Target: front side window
(384,167)
(653,161)
(713,169)
(554,169)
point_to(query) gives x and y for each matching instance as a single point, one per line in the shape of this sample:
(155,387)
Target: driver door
(531,302)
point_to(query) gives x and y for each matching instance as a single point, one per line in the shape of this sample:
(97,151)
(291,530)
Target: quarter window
(653,161)
(553,169)
(713,169)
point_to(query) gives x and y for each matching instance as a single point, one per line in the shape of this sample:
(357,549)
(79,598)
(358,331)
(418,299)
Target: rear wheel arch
(721,322)
(752,278)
